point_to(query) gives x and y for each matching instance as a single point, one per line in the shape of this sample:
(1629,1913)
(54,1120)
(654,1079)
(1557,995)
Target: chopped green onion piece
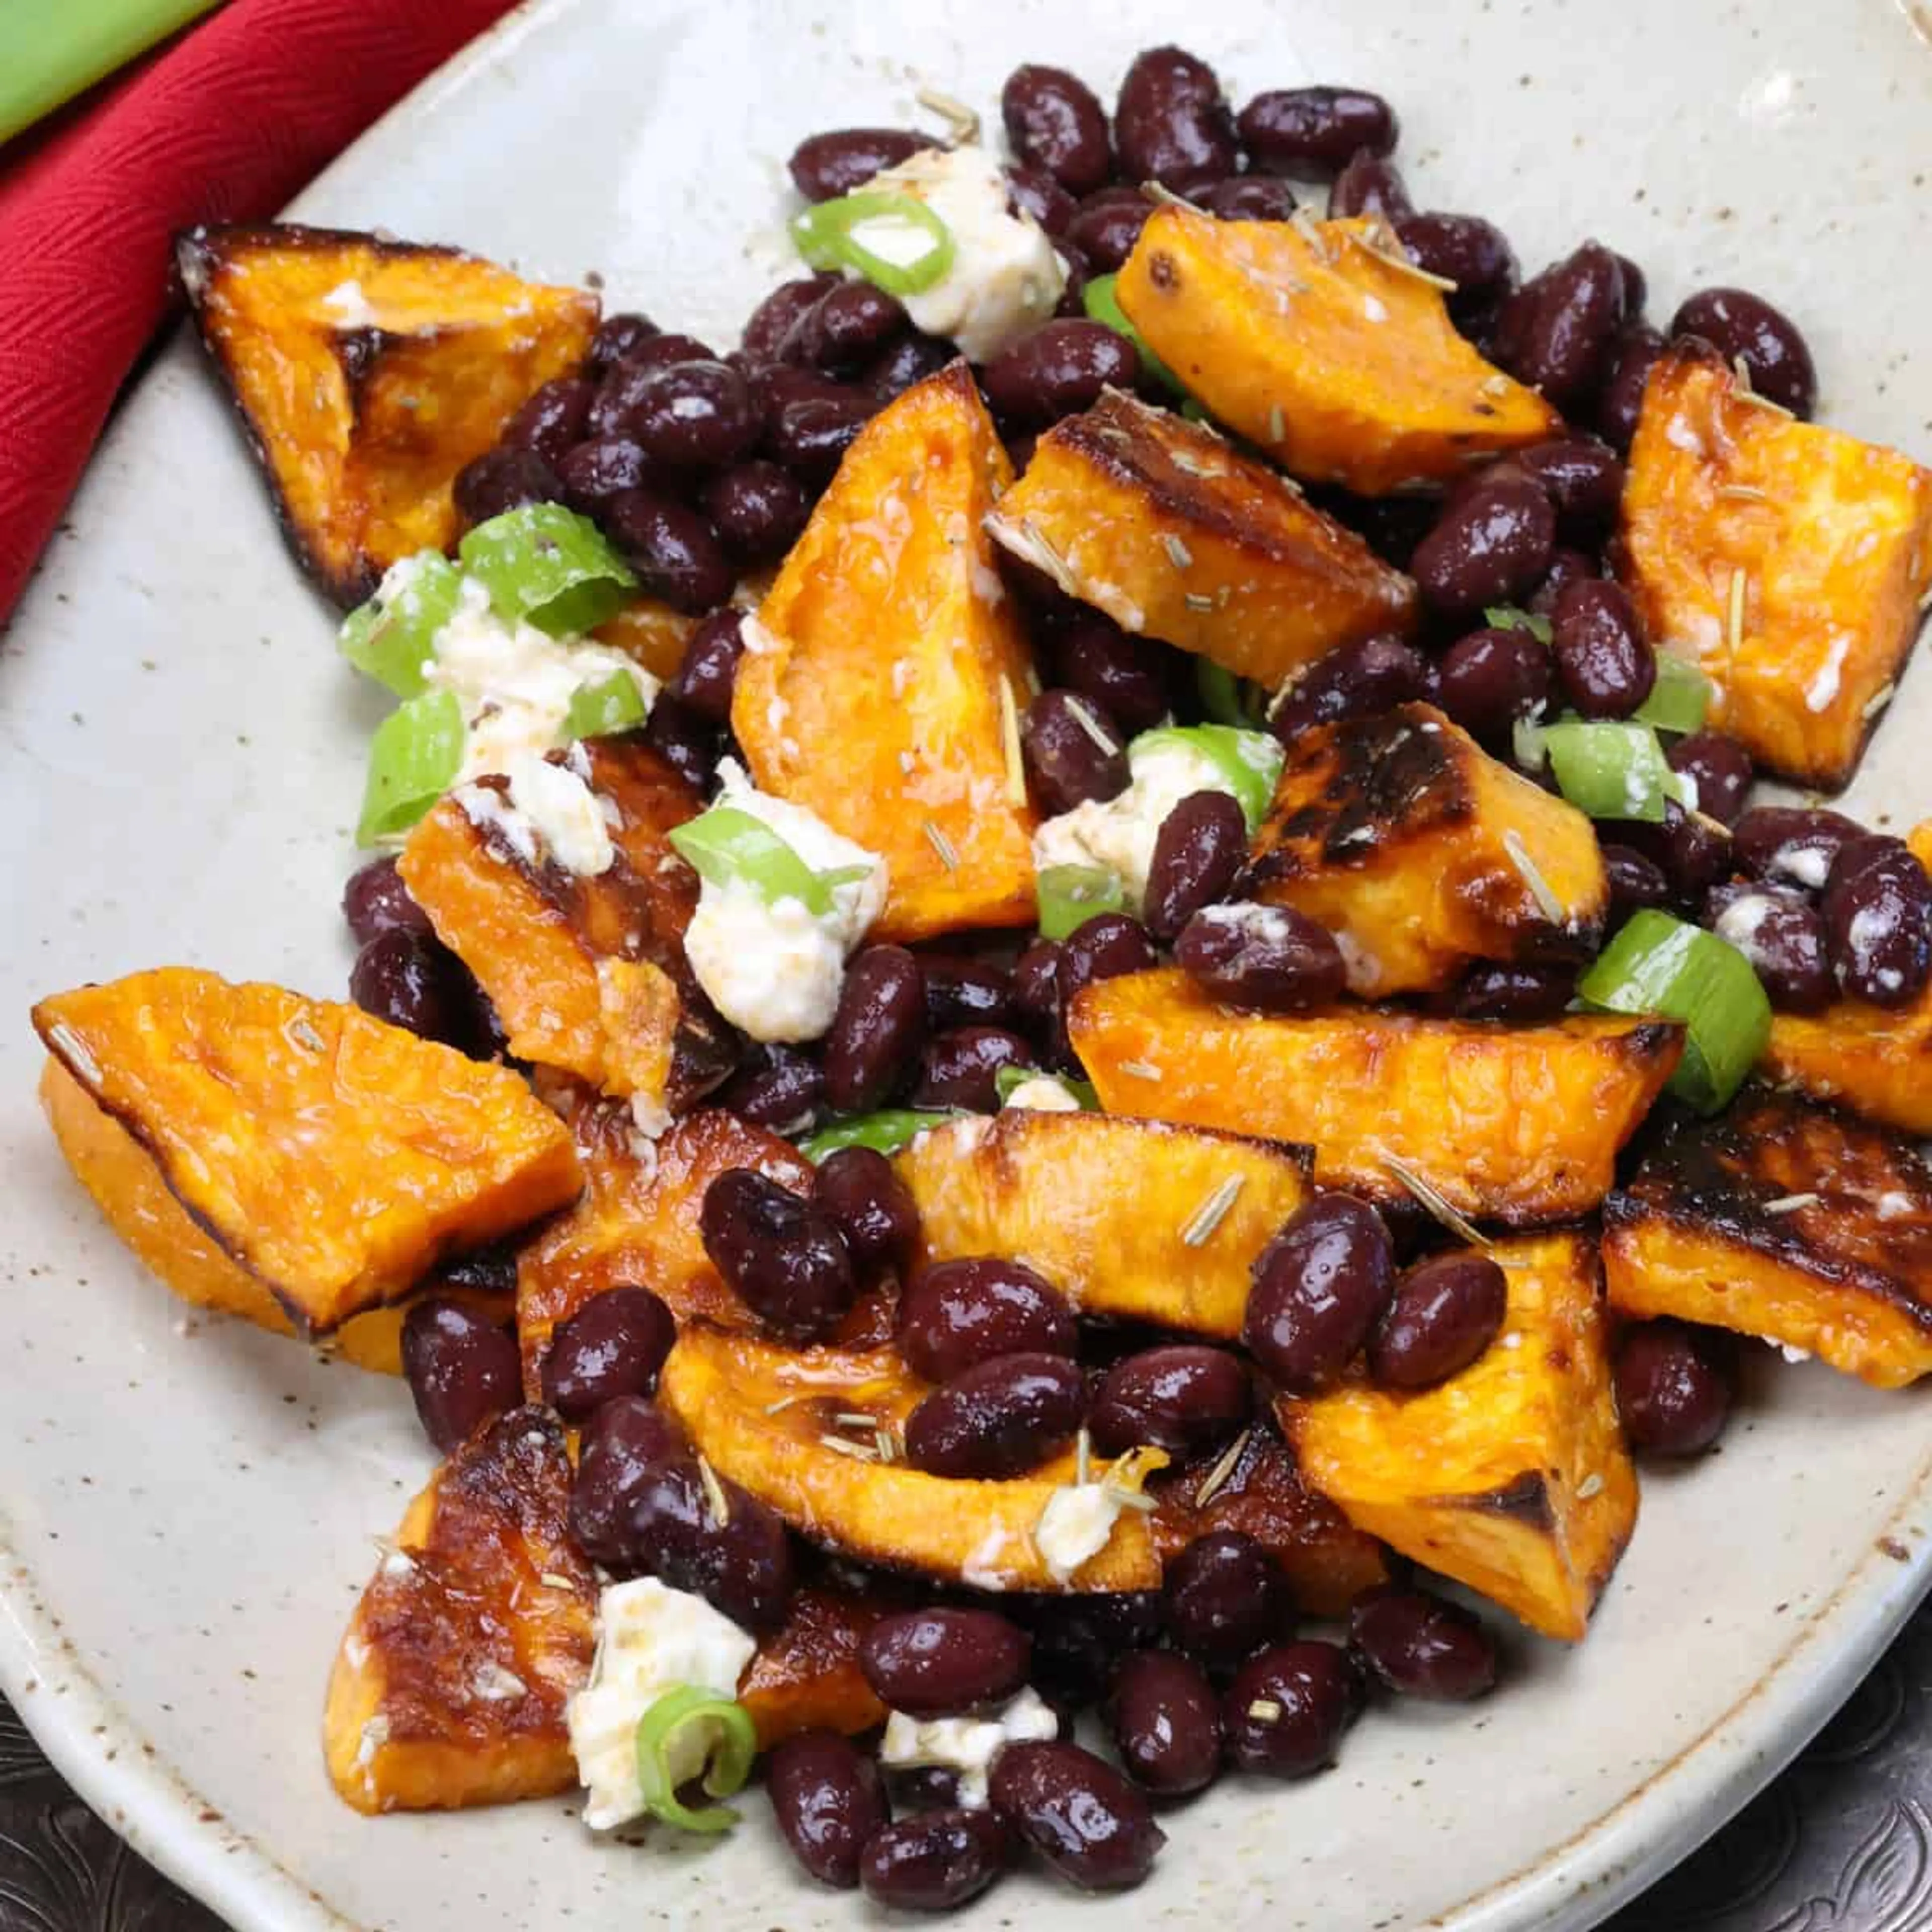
(612,703)
(730,1743)
(1508,617)
(1009,1080)
(726,844)
(1103,304)
(1251,760)
(391,637)
(1609,770)
(1660,964)
(888,1130)
(1680,699)
(895,241)
(549,566)
(1227,699)
(1071,894)
(414,758)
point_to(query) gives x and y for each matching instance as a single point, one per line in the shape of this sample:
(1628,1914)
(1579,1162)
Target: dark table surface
(1841,1842)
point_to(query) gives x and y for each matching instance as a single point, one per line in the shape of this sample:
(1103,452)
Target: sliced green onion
(612,703)
(1227,699)
(549,566)
(895,241)
(1609,770)
(1102,303)
(391,637)
(1679,701)
(1659,965)
(726,844)
(1509,617)
(888,1130)
(1251,760)
(414,758)
(730,1742)
(1009,1080)
(1071,894)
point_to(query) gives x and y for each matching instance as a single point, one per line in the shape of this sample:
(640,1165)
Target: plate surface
(187,1509)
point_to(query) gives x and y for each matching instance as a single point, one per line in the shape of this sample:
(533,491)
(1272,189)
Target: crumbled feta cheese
(1075,1525)
(1810,865)
(563,812)
(649,1640)
(966,1745)
(1045,1094)
(980,1569)
(348,306)
(1004,276)
(1792,1355)
(1738,924)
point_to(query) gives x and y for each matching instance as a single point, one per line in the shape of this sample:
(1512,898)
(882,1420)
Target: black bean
(709,668)
(1319,1287)
(1358,680)
(1054,122)
(1081,1817)
(845,328)
(1606,667)
(827,1801)
(1635,881)
(1033,191)
(877,1028)
(1523,995)
(376,901)
(1567,567)
(1877,911)
(935,1861)
(1184,1397)
(613,1345)
(462,1369)
(1793,845)
(629,1442)
(1073,302)
(1247,198)
(1126,678)
(1674,1387)
(1043,1011)
(1419,1644)
(1583,479)
(996,1419)
(1571,328)
(553,420)
(782,1257)
(695,415)
(1166,1723)
(617,336)
(758,509)
(412,982)
(1491,542)
(857,1190)
(688,743)
(625,383)
(962,990)
(775,1086)
(1078,1639)
(1370,184)
(1106,226)
(954,1314)
(1285,1711)
(945,1663)
(1172,124)
(1198,854)
(1626,370)
(604,467)
(1271,958)
(811,434)
(674,551)
(502,479)
(1310,132)
(1057,369)
(1473,253)
(1491,680)
(1737,323)
(909,360)
(772,321)
(826,166)
(1782,935)
(1636,285)
(1693,850)
(1445,1313)
(1224,1596)
(960,1068)
(665,349)
(1721,769)
(1103,947)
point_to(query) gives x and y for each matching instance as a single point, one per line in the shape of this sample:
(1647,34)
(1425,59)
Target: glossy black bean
(1738,324)
(945,1663)
(757,510)
(1569,328)
(1058,369)
(1606,668)
(910,359)
(1270,958)
(935,1861)
(1357,680)
(1877,911)
(627,1443)
(1636,880)
(1567,566)
(1079,1638)
(826,166)
(857,1190)
(782,1257)
(1523,995)
(1370,184)
(1674,1385)
(1033,191)
(1694,851)
(699,416)
(613,1345)
(1183,1397)
(960,1067)
(1445,1313)
(876,1030)
(997,1419)
(1782,935)
(1721,769)
(1170,123)
(490,1270)
(810,435)
(772,320)
(1053,122)
(1310,132)
(617,336)
(827,1801)
(462,1369)
(1626,370)
(1285,1713)
(553,420)
(1491,679)
(1103,947)
(1082,1819)
(502,479)
(1198,854)
(674,551)
(1465,249)
(1042,1013)
(710,667)
(845,328)
(775,1086)
(1491,542)
(626,383)
(376,901)
(1166,1723)
(1247,198)
(603,467)
(1073,302)
(413,983)
(954,1314)
(1105,227)
(1419,1644)
(1319,1287)
(1224,1596)
(962,990)
(1583,479)
(688,743)
(1126,678)
(1793,845)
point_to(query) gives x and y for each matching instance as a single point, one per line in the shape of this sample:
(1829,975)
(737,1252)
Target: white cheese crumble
(1004,276)
(966,1745)
(549,809)
(1792,1355)
(1810,866)
(1045,1094)
(1075,1525)
(649,1640)
(1739,923)
(773,967)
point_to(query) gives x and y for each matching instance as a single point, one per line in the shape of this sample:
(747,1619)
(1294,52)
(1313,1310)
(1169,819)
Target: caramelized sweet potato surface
(367,373)
(806,1675)
(334,1157)
(1319,343)
(1512,1477)
(1516,1124)
(1161,523)
(651,634)
(1787,560)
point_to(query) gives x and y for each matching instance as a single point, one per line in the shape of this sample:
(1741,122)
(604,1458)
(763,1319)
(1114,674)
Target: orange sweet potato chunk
(333,1157)
(588,975)
(1512,1477)
(884,670)
(651,634)
(1422,854)
(366,373)
(1160,523)
(452,1683)
(806,1675)
(1516,1124)
(1789,561)
(1320,345)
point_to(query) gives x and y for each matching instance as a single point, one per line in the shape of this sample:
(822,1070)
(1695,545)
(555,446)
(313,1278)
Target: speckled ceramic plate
(187,1511)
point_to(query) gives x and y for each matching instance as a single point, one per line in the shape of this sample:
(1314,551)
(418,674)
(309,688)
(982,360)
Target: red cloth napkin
(223,124)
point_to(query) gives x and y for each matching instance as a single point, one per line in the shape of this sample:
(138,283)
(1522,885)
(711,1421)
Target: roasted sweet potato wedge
(1421,854)
(450,1685)
(1512,1477)
(366,373)
(806,1675)
(1789,561)
(1131,1218)
(333,1157)
(882,673)
(1516,1124)
(1160,523)
(1320,344)
(1786,1220)
(587,974)
(769,1420)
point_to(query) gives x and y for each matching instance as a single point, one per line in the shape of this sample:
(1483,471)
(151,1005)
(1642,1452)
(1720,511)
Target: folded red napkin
(225,123)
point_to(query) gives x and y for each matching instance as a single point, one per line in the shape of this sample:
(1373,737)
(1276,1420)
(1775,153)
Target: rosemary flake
(1178,554)
(1092,726)
(961,122)
(1547,903)
(1742,493)
(1162,196)
(1277,423)
(1083,1458)
(941,844)
(719,1504)
(1209,1216)
(1432,1203)
(1024,539)
(1197,600)
(1878,700)
(1212,1483)
(1010,739)
(1734,622)
(68,1045)
(1264,1711)
(1141,1069)
(1790,1204)
(1401,265)
(860,1452)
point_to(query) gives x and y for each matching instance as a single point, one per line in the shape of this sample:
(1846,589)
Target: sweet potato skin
(335,1158)
(1788,1221)
(1316,346)
(450,1687)
(1406,839)
(870,689)
(1174,534)
(1101,1206)
(366,373)
(1829,539)
(1513,1476)
(1516,1124)
(806,1675)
